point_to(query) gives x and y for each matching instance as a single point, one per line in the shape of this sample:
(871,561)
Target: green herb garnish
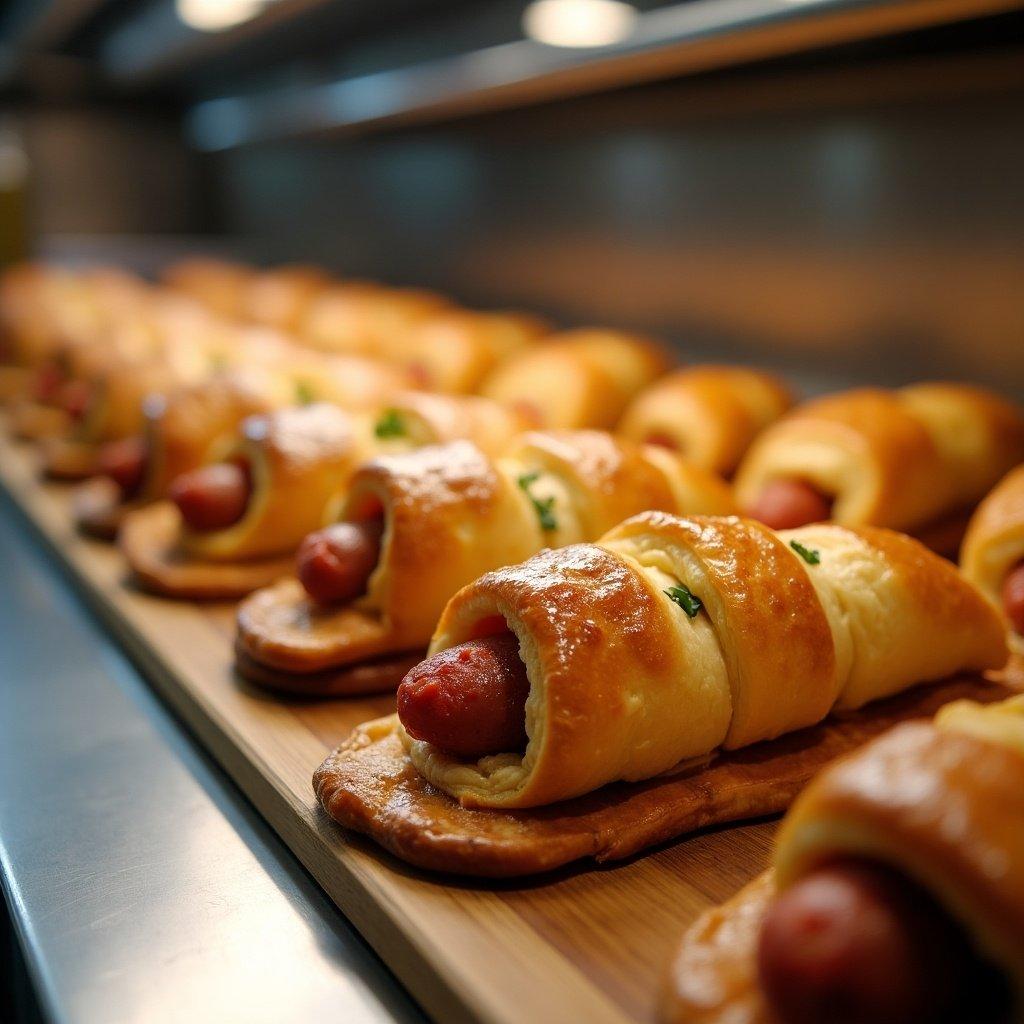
(686,599)
(544,507)
(390,425)
(809,555)
(304,393)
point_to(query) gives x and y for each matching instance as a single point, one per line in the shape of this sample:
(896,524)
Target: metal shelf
(683,39)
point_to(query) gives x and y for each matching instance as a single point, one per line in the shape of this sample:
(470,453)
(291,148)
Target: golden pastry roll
(676,637)
(186,427)
(906,459)
(906,859)
(282,296)
(283,478)
(368,319)
(709,414)
(582,378)
(221,286)
(992,556)
(287,467)
(444,515)
(453,351)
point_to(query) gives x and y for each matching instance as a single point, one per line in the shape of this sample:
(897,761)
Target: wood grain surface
(587,944)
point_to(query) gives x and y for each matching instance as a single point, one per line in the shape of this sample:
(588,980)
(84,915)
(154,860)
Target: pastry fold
(903,459)
(709,414)
(994,543)
(451,514)
(941,802)
(630,676)
(582,378)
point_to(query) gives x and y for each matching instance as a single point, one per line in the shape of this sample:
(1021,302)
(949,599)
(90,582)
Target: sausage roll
(270,488)
(454,351)
(992,557)
(237,521)
(368,319)
(281,297)
(437,519)
(909,459)
(219,285)
(897,893)
(582,378)
(710,414)
(755,634)
(194,424)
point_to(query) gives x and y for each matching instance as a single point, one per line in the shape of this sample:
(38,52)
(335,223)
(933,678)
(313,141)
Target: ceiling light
(579,22)
(217,15)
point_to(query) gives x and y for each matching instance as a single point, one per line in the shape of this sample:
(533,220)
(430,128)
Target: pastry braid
(673,637)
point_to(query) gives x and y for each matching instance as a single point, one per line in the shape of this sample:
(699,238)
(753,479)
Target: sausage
(74,398)
(47,383)
(662,440)
(1012,595)
(470,700)
(786,504)
(857,943)
(335,564)
(213,497)
(125,463)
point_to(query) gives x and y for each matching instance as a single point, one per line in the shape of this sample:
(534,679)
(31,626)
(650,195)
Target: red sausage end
(787,504)
(470,700)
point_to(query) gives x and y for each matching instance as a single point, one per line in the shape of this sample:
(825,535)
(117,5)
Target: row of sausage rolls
(416,527)
(233,524)
(897,893)
(671,639)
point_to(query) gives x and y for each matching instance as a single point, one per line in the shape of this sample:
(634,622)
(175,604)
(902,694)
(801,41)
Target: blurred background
(831,187)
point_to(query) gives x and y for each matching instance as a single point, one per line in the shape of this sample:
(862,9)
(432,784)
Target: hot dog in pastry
(752,636)
(897,893)
(910,459)
(194,424)
(237,522)
(992,557)
(445,516)
(670,653)
(709,414)
(582,378)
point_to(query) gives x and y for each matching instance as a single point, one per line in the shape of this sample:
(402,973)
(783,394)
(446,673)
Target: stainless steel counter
(141,885)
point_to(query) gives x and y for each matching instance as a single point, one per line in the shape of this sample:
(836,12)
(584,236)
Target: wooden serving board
(588,943)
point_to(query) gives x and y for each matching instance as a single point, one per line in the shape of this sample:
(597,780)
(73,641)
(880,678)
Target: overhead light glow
(579,22)
(217,15)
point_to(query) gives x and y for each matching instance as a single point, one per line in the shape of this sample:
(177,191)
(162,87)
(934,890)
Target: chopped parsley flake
(809,555)
(390,425)
(544,507)
(686,599)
